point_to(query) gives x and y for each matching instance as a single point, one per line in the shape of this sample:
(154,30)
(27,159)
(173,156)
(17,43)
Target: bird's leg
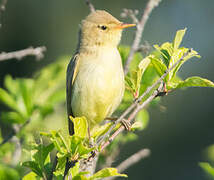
(124,122)
(163,92)
(111,118)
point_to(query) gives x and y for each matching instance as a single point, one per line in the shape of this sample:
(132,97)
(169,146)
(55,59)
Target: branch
(2,8)
(90,5)
(140,28)
(16,130)
(17,151)
(38,52)
(130,13)
(133,159)
(145,48)
(136,106)
(143,153)
(110,158)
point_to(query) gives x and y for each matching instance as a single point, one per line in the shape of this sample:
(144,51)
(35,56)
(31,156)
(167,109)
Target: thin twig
(110,158)
(138,106)
(2,8)
(144,48)
(15,131)
(37,52)
(90,5)
(130,13)
(140,28)
(133,159)
(143,153)
(131,117)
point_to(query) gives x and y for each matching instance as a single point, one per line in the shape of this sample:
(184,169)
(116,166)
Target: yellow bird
(95,77)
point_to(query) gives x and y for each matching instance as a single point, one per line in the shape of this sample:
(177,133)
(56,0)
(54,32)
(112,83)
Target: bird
(95,77)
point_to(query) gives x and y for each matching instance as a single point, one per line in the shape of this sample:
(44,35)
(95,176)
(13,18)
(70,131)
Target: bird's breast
(99,85)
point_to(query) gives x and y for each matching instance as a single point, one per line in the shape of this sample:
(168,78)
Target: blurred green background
(182,127)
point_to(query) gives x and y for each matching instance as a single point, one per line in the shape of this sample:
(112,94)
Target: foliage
(39,99)
(74,148)
(32,100)
(164,58)
(207,168)
(8,173)
(27,98)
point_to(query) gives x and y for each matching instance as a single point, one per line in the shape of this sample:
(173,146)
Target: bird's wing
(71,74)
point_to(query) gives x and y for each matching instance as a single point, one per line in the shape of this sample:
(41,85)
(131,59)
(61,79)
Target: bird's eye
(102,27)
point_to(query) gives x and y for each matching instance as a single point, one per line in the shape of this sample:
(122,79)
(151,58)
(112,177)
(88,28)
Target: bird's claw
(126,124)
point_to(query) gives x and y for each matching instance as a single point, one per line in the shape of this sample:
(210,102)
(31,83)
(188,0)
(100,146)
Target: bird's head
(100,28)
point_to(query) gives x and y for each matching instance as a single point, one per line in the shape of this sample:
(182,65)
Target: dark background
(178,136)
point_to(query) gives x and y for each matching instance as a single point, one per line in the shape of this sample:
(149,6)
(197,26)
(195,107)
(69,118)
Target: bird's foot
(126,124)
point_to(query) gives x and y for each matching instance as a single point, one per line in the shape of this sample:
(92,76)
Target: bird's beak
(122,26)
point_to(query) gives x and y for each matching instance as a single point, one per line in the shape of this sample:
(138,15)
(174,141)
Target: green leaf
(30,176)
(79,148)
(8,173)
(194,81)
(98,131)
(166,51)
(46,109)
(26,89)
(209,152)
(207,168)
(124,52)
(144,64)
(133,81)
(34,167)
(149,76)
(57,97)
(80,177)
(178,55)
(61,143)
(171,53)
(41,153)
(158,65)
(11,84)
(12,117)
(75,170)
(142,68)
(40,163)
(49,82)
(64,140)
(107,172)
(178,38)
(48,166)
(80,126)
(8,100)
(130,84)
(60,165)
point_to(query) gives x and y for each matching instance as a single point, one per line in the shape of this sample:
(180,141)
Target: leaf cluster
(73,148)
(29,98)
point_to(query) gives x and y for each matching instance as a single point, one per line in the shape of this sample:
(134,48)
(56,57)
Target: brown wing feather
(72,70)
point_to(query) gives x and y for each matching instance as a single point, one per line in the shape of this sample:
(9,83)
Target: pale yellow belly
(98,90)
